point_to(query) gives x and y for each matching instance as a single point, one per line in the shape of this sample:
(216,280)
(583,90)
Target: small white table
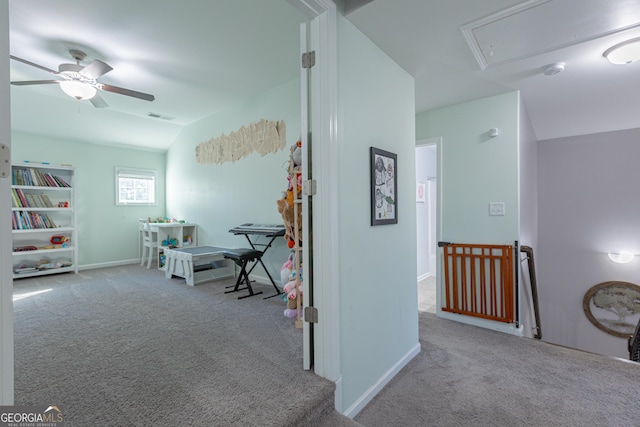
(198,264)
(184,233)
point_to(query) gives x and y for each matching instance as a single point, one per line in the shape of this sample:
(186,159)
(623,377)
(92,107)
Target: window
(135,186)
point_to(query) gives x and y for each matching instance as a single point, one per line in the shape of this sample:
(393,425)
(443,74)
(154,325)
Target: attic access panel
(535,27)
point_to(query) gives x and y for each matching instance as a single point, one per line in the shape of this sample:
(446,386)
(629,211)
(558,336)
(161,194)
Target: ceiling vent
(160,116)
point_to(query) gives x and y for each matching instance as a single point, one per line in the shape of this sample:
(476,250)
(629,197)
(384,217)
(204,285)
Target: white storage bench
(198,264)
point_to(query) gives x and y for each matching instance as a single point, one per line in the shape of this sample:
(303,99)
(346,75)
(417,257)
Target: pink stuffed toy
(290,290)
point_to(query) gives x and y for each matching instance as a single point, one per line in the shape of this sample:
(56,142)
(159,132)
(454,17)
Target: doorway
(426,223)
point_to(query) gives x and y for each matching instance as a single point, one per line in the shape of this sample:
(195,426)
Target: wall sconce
(621,258)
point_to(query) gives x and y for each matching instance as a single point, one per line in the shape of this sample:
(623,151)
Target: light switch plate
(496,208)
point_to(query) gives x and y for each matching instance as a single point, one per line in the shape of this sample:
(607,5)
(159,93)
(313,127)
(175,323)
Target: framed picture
(613,307)
(384,187)
(420,192)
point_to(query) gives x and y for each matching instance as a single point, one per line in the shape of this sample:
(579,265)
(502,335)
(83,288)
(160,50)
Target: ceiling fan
(80,82)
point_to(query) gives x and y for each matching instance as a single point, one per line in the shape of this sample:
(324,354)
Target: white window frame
(142,174)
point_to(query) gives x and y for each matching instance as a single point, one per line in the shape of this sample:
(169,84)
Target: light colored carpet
(427,294)
(125,346)
(468,376)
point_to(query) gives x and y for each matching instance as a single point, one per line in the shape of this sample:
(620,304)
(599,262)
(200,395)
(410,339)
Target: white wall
(528,168)
(378,298)
(6,284)
(589,205)
(107,234)
(220,197)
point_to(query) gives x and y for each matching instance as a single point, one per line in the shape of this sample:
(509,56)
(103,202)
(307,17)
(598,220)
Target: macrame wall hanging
(263,137)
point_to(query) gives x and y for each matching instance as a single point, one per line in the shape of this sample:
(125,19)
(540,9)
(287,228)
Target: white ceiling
(196,57)
(590,96)
(200,56)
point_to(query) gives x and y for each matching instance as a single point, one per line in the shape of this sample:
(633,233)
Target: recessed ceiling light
(624,53)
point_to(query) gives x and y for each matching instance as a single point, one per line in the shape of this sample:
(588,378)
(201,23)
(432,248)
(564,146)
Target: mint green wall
(107,234)
(220,197)
(378,295)
(476,168)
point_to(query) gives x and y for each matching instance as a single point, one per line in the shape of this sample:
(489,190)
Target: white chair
(149,243)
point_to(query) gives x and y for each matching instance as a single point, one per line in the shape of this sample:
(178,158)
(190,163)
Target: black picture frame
(384,187)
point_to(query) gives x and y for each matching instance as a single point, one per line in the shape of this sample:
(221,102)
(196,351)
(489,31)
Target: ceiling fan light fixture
(624,53)
(78,90)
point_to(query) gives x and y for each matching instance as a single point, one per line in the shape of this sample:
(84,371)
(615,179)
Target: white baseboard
(337,395)
(367,396)
(108,264)
(265,280)
(260,279)
(424,276)
(507,328)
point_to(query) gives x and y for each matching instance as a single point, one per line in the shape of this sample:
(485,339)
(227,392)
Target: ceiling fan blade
(33,64)
(128,92)
(99,102)
(34,82)
(96,69)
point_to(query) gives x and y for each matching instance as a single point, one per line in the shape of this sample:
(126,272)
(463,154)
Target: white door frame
(323,101)
(437,141)
(307,349)
(6,273)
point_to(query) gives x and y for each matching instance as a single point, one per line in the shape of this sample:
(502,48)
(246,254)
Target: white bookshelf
(43,207)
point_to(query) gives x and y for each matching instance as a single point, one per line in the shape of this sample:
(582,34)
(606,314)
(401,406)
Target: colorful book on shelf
(31,221)
(34,176)
(46,201)
(15,200)
(41,180)
(21,222)
(22,201)
(26,177)
(38,178)
(28,200)
(38,200)
(31,201)
(50,181)
(61,181)
(16,178)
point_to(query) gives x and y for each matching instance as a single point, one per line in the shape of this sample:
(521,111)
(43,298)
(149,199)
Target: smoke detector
(555,68)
